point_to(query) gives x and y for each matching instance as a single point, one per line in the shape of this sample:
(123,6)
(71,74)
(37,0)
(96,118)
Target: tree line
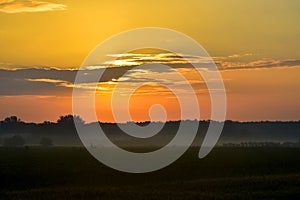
(15,132)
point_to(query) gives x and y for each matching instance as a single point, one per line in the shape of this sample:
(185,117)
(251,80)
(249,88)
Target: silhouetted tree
(12,119)
(69,120)
(48,123)
(66,125)
(65,120)
(14,141)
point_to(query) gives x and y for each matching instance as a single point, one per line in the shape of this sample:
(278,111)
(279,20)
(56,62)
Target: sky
(255,44)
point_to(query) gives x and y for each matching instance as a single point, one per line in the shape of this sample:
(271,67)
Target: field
(226,173)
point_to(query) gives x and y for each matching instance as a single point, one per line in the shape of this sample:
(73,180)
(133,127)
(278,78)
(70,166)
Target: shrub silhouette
(14,141)
(46,142)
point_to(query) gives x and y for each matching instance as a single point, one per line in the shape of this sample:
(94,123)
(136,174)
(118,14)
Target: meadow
(226,173)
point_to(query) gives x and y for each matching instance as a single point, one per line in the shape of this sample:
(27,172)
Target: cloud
(45,81)
(125,60)
(20,6)
(50,81)
(187,61)
(234,56)
(258,64)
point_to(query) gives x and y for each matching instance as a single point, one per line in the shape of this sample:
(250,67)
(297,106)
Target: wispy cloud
(258,64)
(20,6)
(46,80)
(235,56)
(185,61)
(124,60)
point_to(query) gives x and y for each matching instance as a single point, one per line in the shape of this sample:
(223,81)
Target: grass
(226,173)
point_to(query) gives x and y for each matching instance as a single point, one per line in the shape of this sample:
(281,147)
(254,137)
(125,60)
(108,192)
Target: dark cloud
(47,81)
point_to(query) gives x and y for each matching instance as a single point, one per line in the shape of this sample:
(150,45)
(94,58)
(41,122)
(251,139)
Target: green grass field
(226,173)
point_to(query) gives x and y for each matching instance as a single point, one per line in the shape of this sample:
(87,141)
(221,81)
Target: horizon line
(143,122)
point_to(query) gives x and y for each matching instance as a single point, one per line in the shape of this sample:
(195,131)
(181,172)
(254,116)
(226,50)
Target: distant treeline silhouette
(263,144)
(63,131)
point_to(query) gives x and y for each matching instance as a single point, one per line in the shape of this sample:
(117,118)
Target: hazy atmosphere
(255,45)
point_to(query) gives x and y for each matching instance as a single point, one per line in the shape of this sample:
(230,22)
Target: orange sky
(264,94)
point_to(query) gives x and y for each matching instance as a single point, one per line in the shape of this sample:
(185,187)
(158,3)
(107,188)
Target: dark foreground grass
(226,173)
